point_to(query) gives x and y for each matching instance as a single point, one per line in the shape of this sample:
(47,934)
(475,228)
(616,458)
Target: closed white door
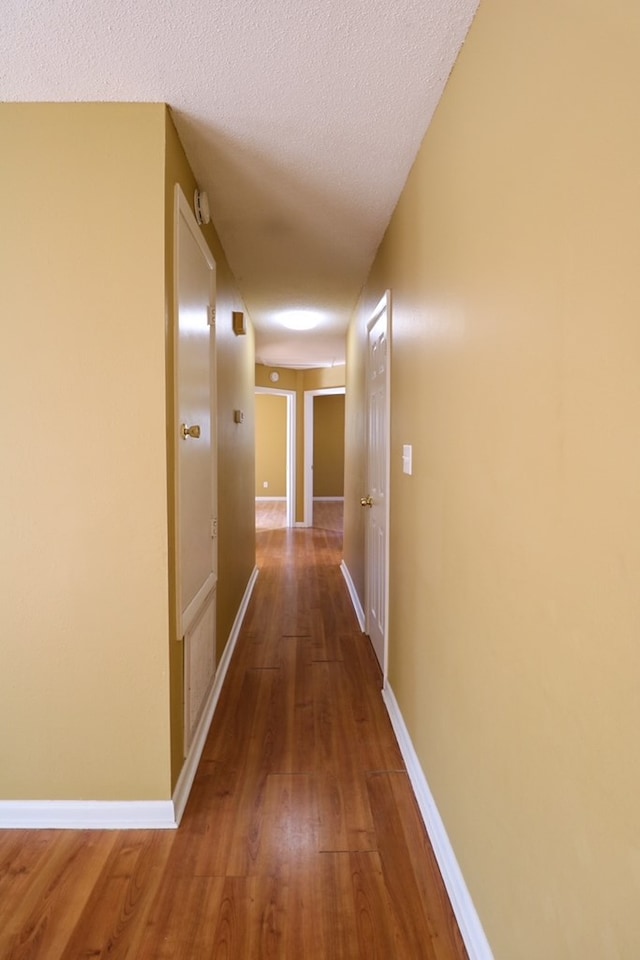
(376,502)
(196,474)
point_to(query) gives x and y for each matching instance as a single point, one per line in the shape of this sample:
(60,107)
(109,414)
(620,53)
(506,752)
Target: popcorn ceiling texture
(300,119)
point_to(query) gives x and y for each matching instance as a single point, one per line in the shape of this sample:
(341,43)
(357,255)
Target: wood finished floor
(272,514)
(301,838)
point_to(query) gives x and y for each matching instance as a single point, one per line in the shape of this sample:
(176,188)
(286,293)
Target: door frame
(290,396)
(384,304)
(187,620)
(308,446)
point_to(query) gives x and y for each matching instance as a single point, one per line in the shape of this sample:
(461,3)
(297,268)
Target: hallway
(301,838)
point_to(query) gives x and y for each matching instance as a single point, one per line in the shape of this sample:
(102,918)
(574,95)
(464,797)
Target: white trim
(182,209)
(182,206)
(308,448)
(129,814)
(353,593)
(87,815)
(291,398)
(190,766)
(270,499)
(329,499)
(383,307)
(193,608)
(474,937)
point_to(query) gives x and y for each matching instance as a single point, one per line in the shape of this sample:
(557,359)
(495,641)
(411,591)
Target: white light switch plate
(407,458)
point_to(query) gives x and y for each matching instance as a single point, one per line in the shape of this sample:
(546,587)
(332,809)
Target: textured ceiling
(300,118)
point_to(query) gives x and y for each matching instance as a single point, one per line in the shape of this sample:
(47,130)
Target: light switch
(407,458)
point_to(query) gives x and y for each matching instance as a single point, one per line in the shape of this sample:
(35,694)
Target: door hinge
(214,528)
(212,316)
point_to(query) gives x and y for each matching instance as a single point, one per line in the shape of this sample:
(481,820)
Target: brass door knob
(193,431)
(366,501)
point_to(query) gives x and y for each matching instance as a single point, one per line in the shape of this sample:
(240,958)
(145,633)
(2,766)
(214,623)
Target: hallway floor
(301,838)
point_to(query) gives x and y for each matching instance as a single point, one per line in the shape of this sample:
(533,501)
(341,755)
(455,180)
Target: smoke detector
(201,207)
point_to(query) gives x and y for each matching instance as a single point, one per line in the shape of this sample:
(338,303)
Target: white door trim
(384,304)
(199,651)
(308,446)
(290,396)
(183,208)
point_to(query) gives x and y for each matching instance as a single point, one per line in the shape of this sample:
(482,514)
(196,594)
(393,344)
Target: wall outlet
(265,484)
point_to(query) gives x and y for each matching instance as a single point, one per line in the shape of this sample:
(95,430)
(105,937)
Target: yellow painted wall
(271,445)
(299,381)
(321,378)
(234,375)
(84,682)
(328,445)
(515,559)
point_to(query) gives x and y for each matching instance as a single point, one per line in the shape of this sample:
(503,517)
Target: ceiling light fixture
(299,319)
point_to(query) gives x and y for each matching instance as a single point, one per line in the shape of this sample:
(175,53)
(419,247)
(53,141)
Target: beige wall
(515,561)
(299,381)
(84,682)
(271,445)
(234,376)
(328,445)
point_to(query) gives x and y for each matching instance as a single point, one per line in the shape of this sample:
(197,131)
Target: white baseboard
(190,766)
(87,815)
(473,935)
(355,599)
(129,814)
(271,499)
(328,499)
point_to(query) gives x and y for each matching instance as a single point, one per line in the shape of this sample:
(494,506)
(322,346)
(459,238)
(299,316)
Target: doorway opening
(275,480)
(324,457)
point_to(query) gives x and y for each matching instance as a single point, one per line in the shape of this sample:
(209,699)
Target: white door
(195,459)
(376,502)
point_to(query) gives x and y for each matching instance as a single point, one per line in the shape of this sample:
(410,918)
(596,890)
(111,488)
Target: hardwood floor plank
(286,837)
(183,922)
(22,855)
(345,821)
(365,902)
(112,925)
(416,890)
(40,927)
(376,743)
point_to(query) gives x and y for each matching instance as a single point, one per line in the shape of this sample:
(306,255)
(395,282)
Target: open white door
(195,459)
(376,503)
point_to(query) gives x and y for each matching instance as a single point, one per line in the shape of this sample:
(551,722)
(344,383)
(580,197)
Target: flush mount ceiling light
(299,319)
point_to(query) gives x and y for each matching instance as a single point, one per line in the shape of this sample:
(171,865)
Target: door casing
(382,470)
(195,467)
